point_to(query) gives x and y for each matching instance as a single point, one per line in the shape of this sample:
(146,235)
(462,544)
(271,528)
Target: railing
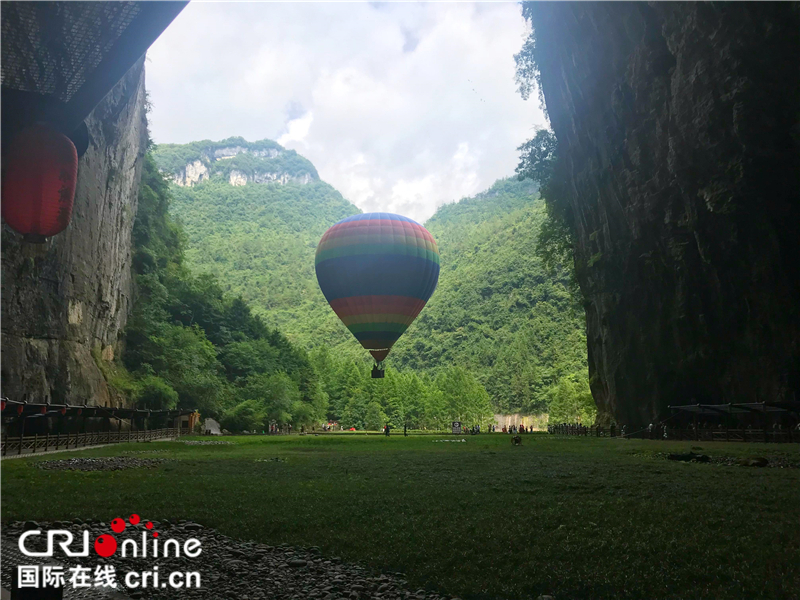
(771,436)
(31,444)
(689,434)
(583,430)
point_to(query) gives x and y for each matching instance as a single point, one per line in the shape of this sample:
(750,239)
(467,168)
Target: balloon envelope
(377,271)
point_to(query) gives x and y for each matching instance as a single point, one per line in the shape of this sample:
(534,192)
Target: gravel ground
(232,568)
(772,461)
(109,463)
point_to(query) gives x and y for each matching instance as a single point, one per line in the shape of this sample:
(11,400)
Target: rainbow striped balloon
(377,271)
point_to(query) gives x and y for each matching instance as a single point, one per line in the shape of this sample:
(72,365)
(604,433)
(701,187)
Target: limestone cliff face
(234,160)
(193,172)
(678,128)
(241,178)
(65,303)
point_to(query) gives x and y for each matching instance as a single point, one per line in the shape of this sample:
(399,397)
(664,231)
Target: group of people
(515,429)
(570,429)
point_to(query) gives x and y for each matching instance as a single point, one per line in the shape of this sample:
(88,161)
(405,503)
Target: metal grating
(51,48)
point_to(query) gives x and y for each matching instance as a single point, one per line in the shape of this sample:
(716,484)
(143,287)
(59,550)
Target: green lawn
(572,517)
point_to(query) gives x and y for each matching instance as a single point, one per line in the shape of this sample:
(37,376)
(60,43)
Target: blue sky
(401,106)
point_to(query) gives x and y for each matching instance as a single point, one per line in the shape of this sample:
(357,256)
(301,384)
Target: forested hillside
(497,311)
(189,344)
(498,315)
(259,239)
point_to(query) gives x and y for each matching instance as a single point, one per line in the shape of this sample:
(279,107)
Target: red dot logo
(105,545)
(149,525)
(117,525)
(134,519)
(155,534)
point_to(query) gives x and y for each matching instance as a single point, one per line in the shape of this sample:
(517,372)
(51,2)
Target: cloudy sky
(401,107)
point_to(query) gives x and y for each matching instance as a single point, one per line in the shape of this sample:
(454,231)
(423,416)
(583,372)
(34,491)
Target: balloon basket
(377,373)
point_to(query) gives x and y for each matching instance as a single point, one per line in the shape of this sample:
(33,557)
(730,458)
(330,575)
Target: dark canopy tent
(748,408)
(735,419)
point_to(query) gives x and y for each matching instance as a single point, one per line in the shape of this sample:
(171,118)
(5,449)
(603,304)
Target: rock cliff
(679,139)
(235,160)
(65,303)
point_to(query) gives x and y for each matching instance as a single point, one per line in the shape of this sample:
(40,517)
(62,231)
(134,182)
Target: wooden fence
(31,444)
(688,434)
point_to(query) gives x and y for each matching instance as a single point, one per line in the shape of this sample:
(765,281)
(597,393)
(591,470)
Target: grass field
(571,517)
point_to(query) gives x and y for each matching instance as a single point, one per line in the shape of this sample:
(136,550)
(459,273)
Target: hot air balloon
(377,271)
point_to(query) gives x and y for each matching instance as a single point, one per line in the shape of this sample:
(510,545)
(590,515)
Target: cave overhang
(60,59)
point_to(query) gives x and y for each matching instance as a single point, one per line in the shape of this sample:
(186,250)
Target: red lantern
(80,412)
(2,405)
(19,409)
(44,410)
(63,411)
(40,170)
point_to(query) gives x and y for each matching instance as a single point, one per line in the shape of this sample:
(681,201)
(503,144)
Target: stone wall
(65,303)
(679,135)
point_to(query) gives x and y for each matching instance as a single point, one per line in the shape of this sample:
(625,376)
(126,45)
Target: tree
(276,394)
(249,357)
(375,418)
(246,416)
(572,402)
(465,399)
(538,157)
(354,412)
(156,394)
(435,414)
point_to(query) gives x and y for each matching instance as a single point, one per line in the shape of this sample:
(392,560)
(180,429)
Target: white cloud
(402,107)
(297,129)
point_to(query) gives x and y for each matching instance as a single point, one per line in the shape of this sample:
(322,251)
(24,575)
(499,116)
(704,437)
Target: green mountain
(234,159)
(189,344)
(497,312)
(259,239)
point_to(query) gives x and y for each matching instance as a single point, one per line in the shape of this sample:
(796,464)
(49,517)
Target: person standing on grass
(387,430)
(405,430)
